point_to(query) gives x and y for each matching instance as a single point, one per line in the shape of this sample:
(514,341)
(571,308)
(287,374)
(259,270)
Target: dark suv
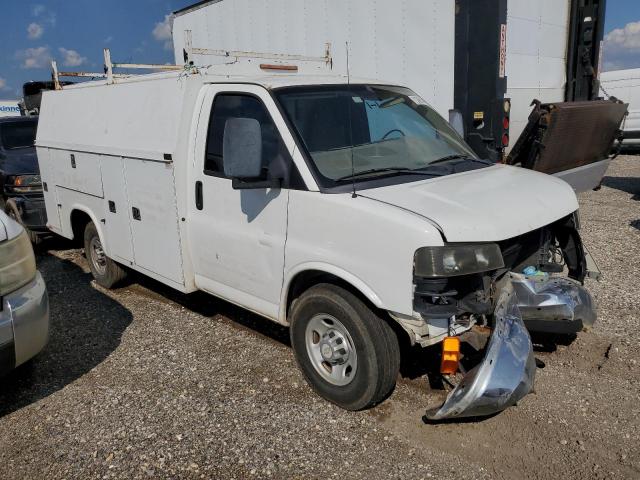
(20,185)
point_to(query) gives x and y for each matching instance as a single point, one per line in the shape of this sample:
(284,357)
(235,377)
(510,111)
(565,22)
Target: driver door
(238,236)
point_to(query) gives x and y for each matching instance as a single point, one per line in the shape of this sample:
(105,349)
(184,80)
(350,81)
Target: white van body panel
(625,85)
(367,243)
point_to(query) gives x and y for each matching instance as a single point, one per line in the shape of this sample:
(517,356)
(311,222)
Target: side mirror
(242,148)
(457,121)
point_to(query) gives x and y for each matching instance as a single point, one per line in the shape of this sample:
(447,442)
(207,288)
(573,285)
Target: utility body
(348,209)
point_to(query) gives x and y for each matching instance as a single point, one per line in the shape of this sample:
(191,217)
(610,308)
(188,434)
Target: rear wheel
(347,353)
(106,272)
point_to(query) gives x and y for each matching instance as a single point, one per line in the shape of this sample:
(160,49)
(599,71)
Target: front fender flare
(342,274)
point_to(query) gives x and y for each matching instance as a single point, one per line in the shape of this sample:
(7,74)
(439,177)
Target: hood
(486,205)
(20,161)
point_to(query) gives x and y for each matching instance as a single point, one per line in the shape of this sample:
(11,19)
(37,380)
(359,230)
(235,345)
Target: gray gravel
(142,382)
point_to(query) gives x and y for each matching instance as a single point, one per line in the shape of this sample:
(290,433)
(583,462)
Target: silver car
(24,304)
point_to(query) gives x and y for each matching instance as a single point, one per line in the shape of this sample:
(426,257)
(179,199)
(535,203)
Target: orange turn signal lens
(450,355)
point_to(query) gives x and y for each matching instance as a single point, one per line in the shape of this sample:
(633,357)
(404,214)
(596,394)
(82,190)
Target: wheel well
(79,221)
(307,279)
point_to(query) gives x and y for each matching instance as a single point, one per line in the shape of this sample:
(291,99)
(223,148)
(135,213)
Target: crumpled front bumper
(553,305)
(506,373)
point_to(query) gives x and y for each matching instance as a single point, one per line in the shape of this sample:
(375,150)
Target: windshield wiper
(391,170)
(460,157)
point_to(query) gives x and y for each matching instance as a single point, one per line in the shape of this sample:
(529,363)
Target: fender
(68,227)
(348,277)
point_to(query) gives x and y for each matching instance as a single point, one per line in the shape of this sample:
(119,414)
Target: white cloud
(71,58)
(44,14)
(627,38)
(3,85)
(622,47)
(34,31)
(39,57)
(38,10)
(162,32)
(109,39)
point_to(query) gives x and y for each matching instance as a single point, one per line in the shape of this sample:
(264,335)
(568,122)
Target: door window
(275,157)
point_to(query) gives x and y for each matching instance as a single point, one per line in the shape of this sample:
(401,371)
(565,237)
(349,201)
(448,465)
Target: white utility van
(347,209)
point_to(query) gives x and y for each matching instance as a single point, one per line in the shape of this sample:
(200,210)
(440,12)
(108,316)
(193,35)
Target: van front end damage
(523,290)
(505,375)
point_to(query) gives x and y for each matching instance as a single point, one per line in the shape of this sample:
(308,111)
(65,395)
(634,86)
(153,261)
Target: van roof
(268,81)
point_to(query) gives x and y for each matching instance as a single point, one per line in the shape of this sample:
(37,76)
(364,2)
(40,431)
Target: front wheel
(106,272)
(347,353)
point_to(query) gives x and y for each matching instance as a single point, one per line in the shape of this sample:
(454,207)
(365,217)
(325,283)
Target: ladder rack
(280,64)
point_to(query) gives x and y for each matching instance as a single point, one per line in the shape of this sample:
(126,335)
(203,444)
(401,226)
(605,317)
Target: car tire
(347,353)
(106,272)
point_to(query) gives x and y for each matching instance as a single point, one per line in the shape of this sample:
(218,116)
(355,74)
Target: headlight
(24,183)
(452,260)
(17,263)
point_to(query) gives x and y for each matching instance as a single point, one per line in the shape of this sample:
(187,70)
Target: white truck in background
(625,85)
(346,209)
(487,60)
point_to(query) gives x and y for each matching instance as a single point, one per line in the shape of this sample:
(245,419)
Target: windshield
(18,134)
(384,130)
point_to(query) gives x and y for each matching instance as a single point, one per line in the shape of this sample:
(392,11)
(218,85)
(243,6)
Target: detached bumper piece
(505,375)
(553,305)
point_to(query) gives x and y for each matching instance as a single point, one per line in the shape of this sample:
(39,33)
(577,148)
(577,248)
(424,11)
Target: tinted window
(18,134)
(275,158)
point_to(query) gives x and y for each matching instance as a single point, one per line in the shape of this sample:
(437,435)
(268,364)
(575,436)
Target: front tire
(106,272)
(347,353)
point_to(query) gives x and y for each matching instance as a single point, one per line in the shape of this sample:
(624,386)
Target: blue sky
(74,32)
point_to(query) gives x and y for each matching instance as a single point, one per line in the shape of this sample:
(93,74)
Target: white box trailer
(625,85)
(338,206)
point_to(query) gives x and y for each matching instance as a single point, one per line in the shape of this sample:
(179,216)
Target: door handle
(199,202)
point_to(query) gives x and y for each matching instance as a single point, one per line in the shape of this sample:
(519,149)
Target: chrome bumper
(553,305)
(24,323)
(506,373)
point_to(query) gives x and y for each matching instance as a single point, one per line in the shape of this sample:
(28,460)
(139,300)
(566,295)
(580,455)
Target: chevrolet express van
(346,209)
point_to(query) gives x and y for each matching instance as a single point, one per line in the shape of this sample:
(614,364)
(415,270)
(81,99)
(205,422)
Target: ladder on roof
(283,62)
(189,51)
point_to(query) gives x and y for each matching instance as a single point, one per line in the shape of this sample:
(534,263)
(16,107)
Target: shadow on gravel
(210,306)
(625,184)
(86,326)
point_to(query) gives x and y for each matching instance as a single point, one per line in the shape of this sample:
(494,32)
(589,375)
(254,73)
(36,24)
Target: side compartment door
(116,210)
(154,217)
(47,174)
(237,237)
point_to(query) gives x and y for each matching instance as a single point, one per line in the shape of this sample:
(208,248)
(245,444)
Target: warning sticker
(503,50)
(478,115)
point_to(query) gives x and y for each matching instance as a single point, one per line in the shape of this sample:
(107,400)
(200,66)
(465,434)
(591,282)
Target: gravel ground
(142,382)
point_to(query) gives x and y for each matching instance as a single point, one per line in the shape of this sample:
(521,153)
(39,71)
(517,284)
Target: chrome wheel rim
(331,349)
(98,258)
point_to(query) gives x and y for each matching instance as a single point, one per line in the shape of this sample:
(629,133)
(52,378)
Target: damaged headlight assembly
(457,259)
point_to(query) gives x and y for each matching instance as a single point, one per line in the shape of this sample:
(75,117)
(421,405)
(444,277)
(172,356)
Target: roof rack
(189,51)
(281,62)
(108,72)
